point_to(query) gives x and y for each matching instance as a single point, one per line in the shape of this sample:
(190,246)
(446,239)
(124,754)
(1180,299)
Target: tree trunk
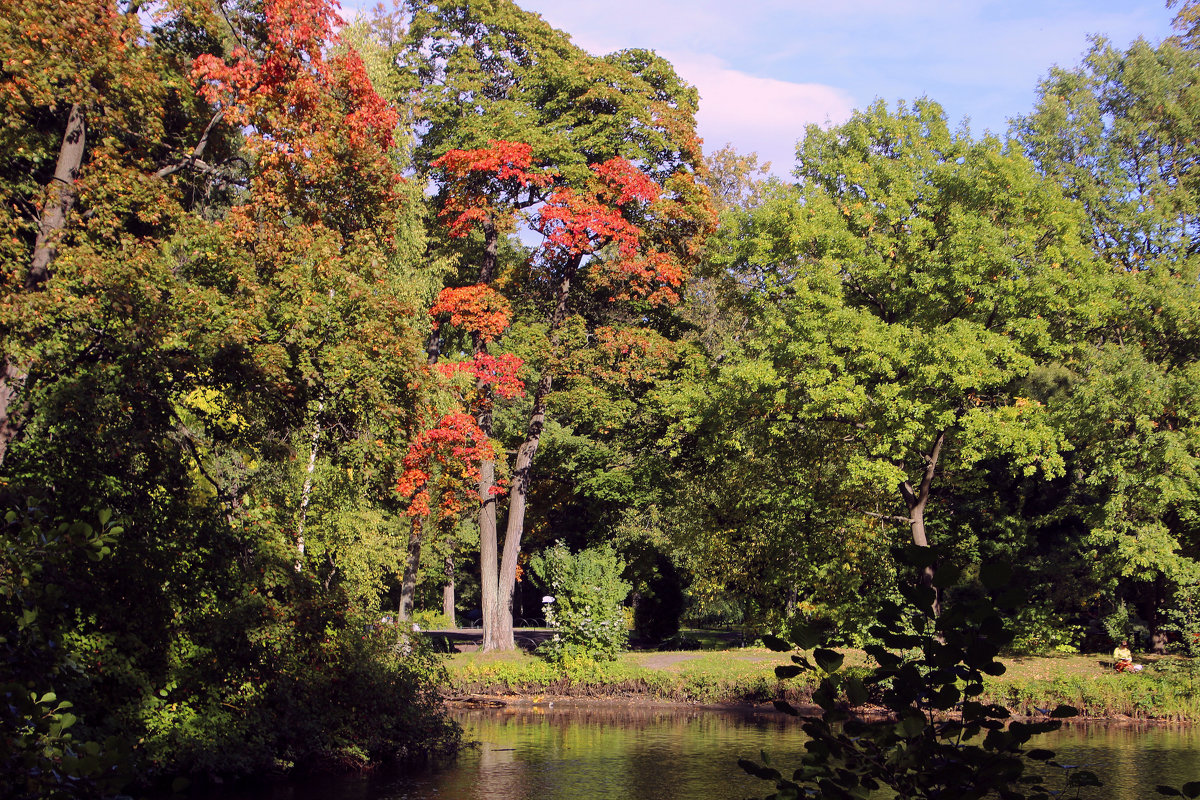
(306,490)
(489,557)
(59,200)
(448,589)
(408,585)
(916,501)
(523,468)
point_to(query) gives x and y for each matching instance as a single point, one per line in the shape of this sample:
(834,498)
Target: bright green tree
(1118,133)
(898,297)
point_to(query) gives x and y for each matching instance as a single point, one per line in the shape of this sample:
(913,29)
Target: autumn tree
(483,315)
(490,75)
(227,288)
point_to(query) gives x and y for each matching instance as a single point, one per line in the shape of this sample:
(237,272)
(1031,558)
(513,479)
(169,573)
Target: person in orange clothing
(1124,658)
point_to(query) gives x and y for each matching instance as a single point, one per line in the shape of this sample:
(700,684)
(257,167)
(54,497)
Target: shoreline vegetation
(743,677)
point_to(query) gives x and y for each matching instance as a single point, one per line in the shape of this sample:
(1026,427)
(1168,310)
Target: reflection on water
(608,753)
(619,753)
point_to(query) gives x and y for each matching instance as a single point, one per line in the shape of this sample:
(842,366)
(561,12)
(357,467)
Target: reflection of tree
(619,752)
(614,752)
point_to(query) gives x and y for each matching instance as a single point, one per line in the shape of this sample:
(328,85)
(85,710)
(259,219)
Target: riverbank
(1167,690)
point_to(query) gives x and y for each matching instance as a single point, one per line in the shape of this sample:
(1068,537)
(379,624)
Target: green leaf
(856,691)
(785,707)
(776,644)
(805,637)
(105,515)
(828,660)
(995,574)
(947,575)
(912,725)
(785,672)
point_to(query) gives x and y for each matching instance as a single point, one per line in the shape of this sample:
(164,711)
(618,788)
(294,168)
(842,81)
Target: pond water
(620,753)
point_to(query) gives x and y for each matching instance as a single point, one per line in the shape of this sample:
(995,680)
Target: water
(621,753)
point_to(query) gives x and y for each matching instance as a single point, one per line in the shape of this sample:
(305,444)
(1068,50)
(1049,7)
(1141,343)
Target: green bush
(1183,618)
(587,612)
(1041,630)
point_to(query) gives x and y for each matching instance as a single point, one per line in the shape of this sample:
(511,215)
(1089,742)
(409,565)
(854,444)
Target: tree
(226,349)
(491,74)
(1118,134)
(484,315)
(899,296)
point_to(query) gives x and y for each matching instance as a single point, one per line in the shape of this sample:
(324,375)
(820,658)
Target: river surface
(621,753)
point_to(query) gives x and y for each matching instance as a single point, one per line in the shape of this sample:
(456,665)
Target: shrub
(1183,618)
(1041,630)
(940,739)
(588,592)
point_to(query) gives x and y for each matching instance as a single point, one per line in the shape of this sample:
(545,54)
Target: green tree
(221,340)
(1118,134)
(898,297)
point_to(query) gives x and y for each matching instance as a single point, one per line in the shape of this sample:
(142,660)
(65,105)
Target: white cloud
(757,114)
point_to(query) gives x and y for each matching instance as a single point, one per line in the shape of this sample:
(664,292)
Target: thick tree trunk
(56,207)
(518,495)
(489,559)
(489,551)
(408,585)
(916,499)
(448,589)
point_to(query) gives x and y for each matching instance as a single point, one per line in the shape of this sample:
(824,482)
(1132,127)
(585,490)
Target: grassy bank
(1168,689)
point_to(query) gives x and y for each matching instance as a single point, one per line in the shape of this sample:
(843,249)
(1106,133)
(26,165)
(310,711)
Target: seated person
(1124,659)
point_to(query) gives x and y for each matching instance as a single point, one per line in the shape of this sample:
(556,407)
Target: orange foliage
(453,450)
(477,309)
(578,223)
(498,372)
(316,124)
(483,182)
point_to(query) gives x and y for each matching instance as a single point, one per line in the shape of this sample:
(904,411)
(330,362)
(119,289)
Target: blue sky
(766,68)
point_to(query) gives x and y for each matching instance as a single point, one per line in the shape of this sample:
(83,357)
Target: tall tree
(1119,134)
(489,73)
(901,293)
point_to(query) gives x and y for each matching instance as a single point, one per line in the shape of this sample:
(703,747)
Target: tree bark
(489,551)
(916,500)
(306,490)
(60,198)
(523,468)
(56,207)
(448,587)
(408,586)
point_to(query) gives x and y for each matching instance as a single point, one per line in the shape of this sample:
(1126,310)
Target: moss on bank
(1169,689)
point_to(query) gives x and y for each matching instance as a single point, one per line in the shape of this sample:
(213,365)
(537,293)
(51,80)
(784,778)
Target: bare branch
(887,517)
(193,161)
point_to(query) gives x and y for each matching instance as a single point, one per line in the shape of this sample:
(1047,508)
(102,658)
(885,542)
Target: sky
(767,68)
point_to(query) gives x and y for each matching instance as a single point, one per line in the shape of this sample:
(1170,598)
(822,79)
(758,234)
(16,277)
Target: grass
(1169,688)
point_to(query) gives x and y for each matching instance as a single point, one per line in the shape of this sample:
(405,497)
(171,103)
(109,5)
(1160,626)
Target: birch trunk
(59,200)
(306,490)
